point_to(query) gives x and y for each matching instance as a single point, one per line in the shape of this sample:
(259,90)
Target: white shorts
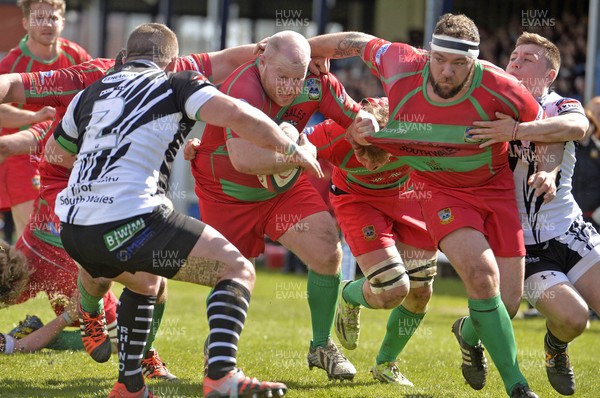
(565,258)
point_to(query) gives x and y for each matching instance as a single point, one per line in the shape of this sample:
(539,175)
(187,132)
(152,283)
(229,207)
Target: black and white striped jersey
(126,130)
(544,221)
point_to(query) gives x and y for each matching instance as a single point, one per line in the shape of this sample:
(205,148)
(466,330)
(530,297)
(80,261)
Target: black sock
(554,342)
(134,318)
(227,307)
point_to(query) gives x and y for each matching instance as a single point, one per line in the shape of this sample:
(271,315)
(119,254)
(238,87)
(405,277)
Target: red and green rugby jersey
(20,60)
(215,175)
(349,174)
(433,137)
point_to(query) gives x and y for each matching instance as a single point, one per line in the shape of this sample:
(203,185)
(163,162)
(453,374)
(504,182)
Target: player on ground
(381,221)
(563,251)
(33,266)
(231,196)
(435,98)
(42,49)
(114,216)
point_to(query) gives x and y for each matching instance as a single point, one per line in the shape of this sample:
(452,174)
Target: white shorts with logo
(565,258)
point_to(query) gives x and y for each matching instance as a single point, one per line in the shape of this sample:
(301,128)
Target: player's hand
(303,158)
(362,127)
(319,65)
(495,131)
(190,149)
(544,184)
(71,307)
(260,46)
(306,144)
(46,113)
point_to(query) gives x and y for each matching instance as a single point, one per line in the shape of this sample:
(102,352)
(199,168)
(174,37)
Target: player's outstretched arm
(11,117)
(21,142)
(253,125)
(339,45)
(12,89)
(250,159)
(566,127)
(42,337)
(226,61)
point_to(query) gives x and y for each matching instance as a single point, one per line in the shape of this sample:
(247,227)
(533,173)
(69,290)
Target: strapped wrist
(515,130)
(67,318)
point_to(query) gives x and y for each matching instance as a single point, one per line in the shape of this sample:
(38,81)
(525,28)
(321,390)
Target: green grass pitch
(274,347)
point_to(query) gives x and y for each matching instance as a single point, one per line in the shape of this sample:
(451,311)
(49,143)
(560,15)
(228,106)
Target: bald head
(283,66)
(289,46)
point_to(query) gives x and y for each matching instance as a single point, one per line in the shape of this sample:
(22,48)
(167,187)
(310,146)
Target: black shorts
(158,243)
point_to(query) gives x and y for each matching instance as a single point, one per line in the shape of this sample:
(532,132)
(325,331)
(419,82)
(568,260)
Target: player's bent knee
(512,306)
(391,298)
(387,275)
(420,296)
(421,272)
(575,320)
(329,263)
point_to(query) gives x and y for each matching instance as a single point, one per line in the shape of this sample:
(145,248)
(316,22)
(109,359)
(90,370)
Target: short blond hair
(551,52)
(26,5)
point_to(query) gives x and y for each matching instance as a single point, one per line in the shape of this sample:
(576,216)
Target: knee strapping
(387,275)
(421,272)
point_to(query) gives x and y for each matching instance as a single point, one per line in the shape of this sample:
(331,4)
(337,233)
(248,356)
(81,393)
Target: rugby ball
(283,181)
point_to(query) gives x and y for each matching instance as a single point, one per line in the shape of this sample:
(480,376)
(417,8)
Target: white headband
(453,45)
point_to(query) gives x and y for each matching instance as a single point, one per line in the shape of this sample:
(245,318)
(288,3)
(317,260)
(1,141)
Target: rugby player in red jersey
(435,97)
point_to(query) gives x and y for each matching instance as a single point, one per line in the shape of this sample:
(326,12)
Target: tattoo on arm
(352,45)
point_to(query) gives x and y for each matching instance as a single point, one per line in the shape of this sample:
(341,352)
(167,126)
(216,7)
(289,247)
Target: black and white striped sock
(134,318)
(227,307)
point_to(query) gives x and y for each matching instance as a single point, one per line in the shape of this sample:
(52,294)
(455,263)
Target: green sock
(159,310)
(493,325)
(353,293)
(401,326)
(322,299)
(88,302)
(468,333)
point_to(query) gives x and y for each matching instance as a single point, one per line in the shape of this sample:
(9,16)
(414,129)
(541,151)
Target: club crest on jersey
(469,137)
(369,232)
(380,52)
(35,182)
(445,216)
(313,87)
(45,74)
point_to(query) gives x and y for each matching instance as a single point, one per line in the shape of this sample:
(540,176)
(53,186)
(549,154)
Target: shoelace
(154,361)
(94,327)
(560,361)
(333,353)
